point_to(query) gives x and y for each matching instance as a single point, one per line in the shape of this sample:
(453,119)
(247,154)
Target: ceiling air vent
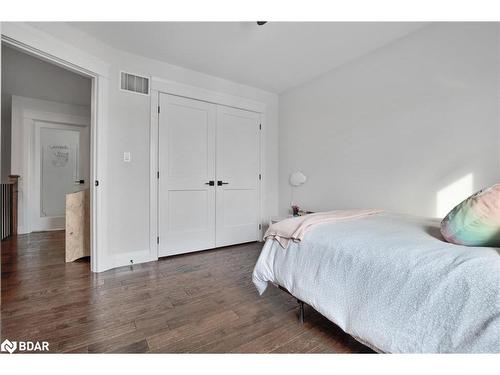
(134,83)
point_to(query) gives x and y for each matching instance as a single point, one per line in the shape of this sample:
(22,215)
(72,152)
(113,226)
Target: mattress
(392,282)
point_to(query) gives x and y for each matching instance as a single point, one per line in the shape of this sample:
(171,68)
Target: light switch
(126,157)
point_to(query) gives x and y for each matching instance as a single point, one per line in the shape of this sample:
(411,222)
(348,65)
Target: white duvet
(391,282)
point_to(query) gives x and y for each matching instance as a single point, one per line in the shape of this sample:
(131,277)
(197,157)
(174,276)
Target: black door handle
(210,183)
(81,182)
(220,183)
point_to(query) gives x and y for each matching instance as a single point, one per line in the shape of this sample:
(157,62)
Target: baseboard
(48,230)
(126,259)
(23,230)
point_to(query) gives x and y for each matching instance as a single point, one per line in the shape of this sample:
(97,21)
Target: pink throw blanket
(295,228)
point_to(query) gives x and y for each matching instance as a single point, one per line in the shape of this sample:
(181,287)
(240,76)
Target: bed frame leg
(301,311)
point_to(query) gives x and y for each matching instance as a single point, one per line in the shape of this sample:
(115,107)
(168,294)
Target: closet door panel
(238,168)
(186,165)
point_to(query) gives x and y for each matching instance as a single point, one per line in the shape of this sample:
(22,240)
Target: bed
(391,282)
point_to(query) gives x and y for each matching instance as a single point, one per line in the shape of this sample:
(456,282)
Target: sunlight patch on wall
(453,194)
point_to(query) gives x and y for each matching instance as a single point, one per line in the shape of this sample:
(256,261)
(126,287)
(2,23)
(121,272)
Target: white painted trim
(153,179)
(99,163)
(262,173)
(37,43)
(198,93)
(161,86)
(123,259)
(61,118)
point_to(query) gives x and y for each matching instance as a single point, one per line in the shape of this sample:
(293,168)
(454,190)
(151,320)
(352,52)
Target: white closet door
(186,165)
(238,168)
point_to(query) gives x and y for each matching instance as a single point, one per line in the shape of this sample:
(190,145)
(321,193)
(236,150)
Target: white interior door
(61,166)
(238,168)
(186,166)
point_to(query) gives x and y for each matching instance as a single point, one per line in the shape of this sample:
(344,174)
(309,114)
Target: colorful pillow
(475,221)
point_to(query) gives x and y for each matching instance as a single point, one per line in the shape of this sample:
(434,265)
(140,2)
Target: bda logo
(24,346)
(8,346)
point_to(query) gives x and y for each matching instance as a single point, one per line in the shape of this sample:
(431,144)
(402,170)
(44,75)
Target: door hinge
(158,109)
(260,176)
(260,126)
(260,226)
(158,240)
(158,174)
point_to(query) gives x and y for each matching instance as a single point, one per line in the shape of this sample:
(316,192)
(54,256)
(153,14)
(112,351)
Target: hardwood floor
(198,303)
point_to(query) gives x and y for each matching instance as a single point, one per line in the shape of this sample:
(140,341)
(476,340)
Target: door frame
(32,41)
(33,196)
(162,86)
(25,113)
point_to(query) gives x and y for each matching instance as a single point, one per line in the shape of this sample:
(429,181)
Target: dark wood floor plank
(202,302)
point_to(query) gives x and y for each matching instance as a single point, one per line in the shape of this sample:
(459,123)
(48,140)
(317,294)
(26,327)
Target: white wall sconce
(297,178)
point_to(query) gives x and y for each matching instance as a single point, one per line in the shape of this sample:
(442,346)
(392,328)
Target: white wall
(128,130)
(395,127)
(27,76)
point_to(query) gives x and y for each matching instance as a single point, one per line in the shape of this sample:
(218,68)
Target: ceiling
(273,57)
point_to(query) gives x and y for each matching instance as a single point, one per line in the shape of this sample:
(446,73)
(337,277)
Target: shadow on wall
(451,195)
